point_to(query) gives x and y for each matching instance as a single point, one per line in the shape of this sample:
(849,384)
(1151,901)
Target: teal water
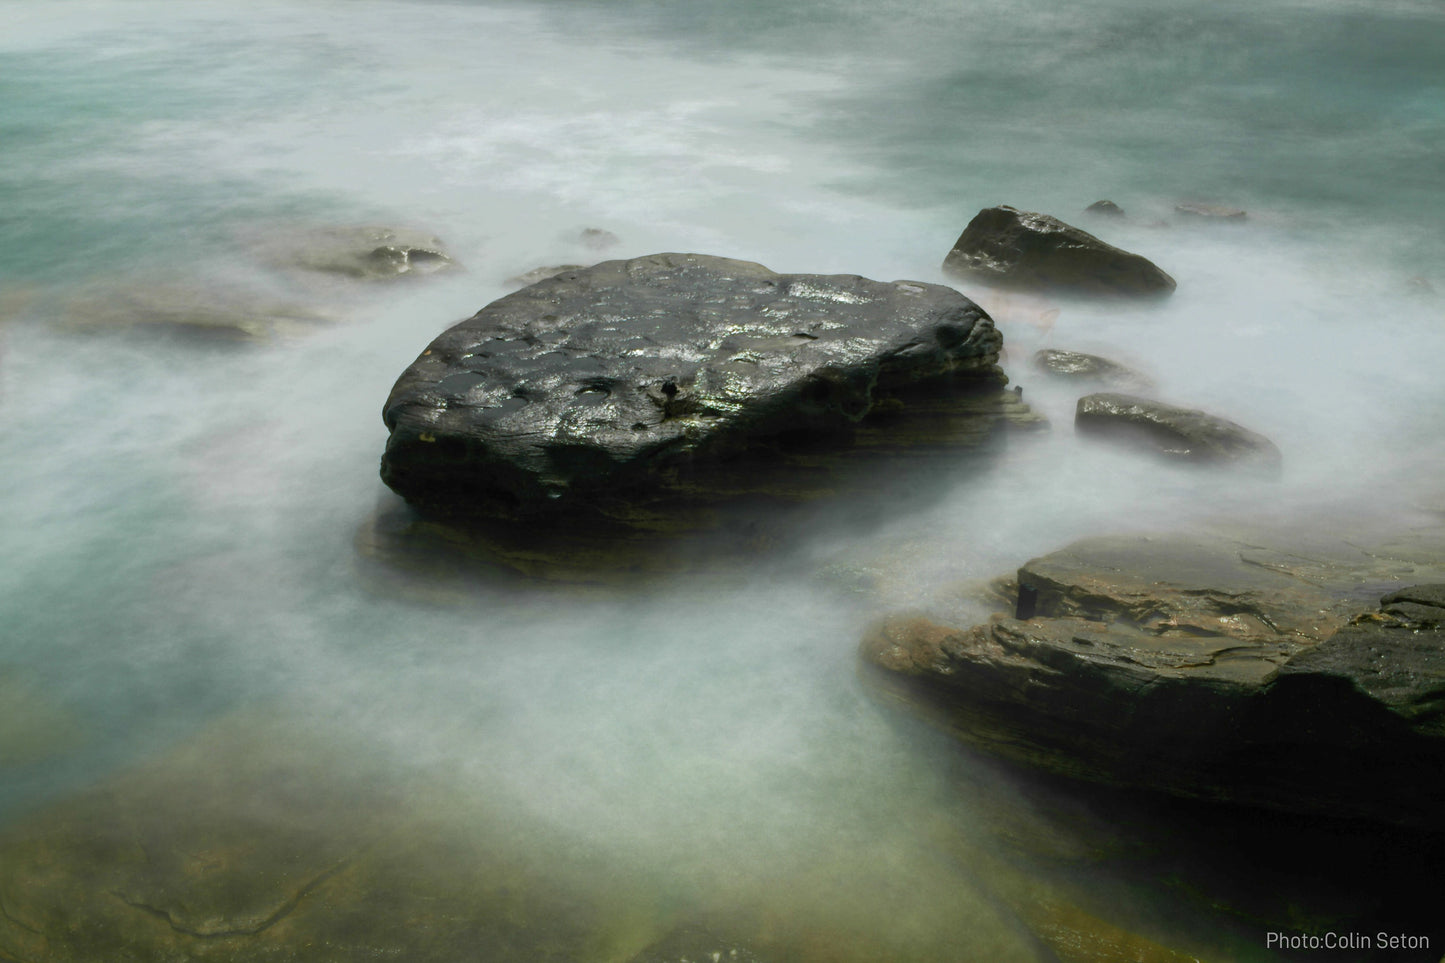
(178,520)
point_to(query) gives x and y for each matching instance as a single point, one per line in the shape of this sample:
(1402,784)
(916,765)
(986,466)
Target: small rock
(1182,434)
(596,239)
(1078,366)
(1014,248)
(1106,208)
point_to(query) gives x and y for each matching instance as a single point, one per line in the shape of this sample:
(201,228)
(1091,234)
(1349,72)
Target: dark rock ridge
(1203,668)
(1180,434)
(603,387)
(1013,248)
(1078,366)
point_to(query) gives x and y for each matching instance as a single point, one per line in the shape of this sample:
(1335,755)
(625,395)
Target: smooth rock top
(1021,249)
(602,379)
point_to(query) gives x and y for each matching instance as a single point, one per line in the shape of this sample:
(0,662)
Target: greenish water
(178,520)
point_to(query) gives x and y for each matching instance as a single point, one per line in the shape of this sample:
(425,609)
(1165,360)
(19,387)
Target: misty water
(180,520)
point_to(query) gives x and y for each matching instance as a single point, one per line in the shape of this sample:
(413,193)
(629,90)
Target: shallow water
(179,518)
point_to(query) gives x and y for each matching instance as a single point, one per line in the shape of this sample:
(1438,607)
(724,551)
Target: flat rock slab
(601,387)
(1178,434)
(1021,249)
(1183,664)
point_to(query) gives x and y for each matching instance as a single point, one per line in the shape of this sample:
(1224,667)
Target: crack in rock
(5,912)
(205,932)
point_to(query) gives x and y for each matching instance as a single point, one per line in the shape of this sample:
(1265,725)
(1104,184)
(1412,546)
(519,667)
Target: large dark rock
(1179,434)
(1196,667)
(1013,248)
(679,376)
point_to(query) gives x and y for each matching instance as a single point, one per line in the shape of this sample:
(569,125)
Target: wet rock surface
(1202,667)
(1178,434)
(1012,248)
(681,377)
(1080,367)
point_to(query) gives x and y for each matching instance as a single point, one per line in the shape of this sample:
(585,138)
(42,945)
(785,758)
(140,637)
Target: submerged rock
(368,252)
(1078,366)
(682,376)
(1014,248)
(598,239)
(1190,665)
(260,841)
(1214,212)
(208,312)
(1179,434)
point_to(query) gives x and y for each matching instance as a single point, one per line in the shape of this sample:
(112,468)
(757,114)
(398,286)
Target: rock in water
(1078,366)
(1106,208)
(1214,212)
(369,253)
(600,387)
(1181,434)
(1019,249)
(1196,667)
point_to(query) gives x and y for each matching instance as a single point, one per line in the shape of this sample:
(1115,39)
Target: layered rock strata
(1191,666)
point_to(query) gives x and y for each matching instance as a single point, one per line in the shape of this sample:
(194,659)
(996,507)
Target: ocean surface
(180,519)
